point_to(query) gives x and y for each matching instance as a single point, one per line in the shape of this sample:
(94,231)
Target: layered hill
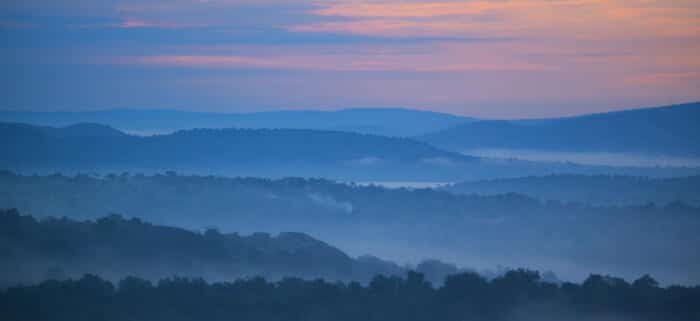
(98,148)
(403,225)
(32,250)
(670,130)
(595,189)
(263,151)
(379,121)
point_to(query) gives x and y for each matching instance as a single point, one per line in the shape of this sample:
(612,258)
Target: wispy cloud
(425,53)
(129,23)
(439,57)
(142,24)
(410,9)
(408,29)
(523,18)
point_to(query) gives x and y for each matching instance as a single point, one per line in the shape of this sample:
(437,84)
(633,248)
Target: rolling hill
(671,130)
(96,148)
(267,151)
(115,247)
(595,189)
(403,225)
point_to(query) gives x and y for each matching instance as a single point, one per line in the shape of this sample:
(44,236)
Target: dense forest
(33,250)
(595,189)
(516,295)
(114,247)
(397,224)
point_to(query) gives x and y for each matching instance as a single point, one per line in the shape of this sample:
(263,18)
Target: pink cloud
(405,28)
(162,25)
(322,63)
(443,57)
(135,24)
(586,19)
(410,9)
(662,79)
(142,24)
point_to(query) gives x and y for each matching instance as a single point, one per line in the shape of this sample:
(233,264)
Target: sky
(490,59)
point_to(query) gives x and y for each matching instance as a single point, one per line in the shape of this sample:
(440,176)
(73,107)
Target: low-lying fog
(588,158)
(400,184)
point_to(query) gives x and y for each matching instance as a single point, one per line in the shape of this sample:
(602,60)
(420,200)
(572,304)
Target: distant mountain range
(379,121)
(671,130)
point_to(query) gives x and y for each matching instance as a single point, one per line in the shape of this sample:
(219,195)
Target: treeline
(263,152)
(127,193)
(516,295)
(602,190)
(33,250)
(85,146)
(390,223)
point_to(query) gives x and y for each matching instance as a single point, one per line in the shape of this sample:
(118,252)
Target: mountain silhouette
(114,246)
(90,145)
(379,121)
(670,130)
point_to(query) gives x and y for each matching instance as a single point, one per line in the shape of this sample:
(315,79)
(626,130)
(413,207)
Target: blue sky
(496,59)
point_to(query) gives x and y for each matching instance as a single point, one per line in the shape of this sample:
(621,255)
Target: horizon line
(345,109)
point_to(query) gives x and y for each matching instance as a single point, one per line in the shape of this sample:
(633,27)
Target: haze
(349,160)
(488,59)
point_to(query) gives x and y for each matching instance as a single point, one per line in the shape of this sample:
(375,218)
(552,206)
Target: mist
(349,160)
(402,225)
(589,158)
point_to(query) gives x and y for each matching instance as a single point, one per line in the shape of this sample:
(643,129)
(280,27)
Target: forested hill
(32,250)
(397,224)
(274,153)
(91,146)
(594,189)
(670,130)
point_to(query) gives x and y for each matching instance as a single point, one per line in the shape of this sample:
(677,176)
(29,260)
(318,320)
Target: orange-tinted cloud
(408,9)
(627,42)
(407,28)
(525,18)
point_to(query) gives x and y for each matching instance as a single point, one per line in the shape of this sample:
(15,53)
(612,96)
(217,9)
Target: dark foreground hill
(671,130)
(33,250)
(378,121)
(403,225)
(517,295)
